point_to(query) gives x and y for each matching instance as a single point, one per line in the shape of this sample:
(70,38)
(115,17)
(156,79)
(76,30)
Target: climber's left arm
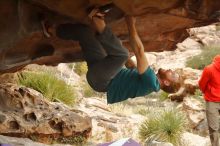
(137,46)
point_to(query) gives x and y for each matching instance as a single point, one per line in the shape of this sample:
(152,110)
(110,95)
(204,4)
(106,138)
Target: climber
(209,84)
(105,57)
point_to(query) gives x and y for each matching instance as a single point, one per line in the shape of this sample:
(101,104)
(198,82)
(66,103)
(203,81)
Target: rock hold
(24,113)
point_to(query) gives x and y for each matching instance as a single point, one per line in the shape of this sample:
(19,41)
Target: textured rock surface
(24,113)
(110,122)
(177,59)
(22,142)
(161,25)
(206,35)
(190,139)
(194,110)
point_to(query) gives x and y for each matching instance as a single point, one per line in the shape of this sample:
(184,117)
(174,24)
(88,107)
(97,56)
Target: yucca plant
(166,126)
(49,85)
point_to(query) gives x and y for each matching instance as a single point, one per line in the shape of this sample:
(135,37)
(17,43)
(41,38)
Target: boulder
(107,122)
(193,104)
(205,35)
(177,59)
(190,139)
(68,75)
(194,110)
(25,113)
(12,141)
(189,44)
(8,78)
(202,128)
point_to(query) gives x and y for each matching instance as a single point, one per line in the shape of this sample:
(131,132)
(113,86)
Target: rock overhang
(160,24)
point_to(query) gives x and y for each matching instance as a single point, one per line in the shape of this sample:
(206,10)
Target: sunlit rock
(24,113)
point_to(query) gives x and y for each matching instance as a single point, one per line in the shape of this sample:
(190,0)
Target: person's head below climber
(170,81)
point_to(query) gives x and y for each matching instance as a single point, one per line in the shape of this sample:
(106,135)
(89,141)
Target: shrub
(70,65)
(165,127)
(80,68)
(77,140)
(163,96)
(51,87)
(120,108)
(203,59)
(144,110)
(88,91)
(198,93)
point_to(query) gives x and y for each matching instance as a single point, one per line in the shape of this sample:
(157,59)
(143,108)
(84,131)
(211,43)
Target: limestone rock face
(195,111)
(9,78)
(109,122)
(161,25)
(24,113)
(207,35)
(190,139)
(20,141)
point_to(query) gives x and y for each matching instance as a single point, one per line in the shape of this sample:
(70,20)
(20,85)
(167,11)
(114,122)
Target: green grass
(50,86)
(77,140)
(165,127)
(144,111)
(163,96)
(88,91)
(121,108)
(203,59)
(198,93)
(199,96)
(80,68)
(70,65)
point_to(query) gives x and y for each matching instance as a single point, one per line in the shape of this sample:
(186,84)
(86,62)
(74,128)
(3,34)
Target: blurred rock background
(153,120)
